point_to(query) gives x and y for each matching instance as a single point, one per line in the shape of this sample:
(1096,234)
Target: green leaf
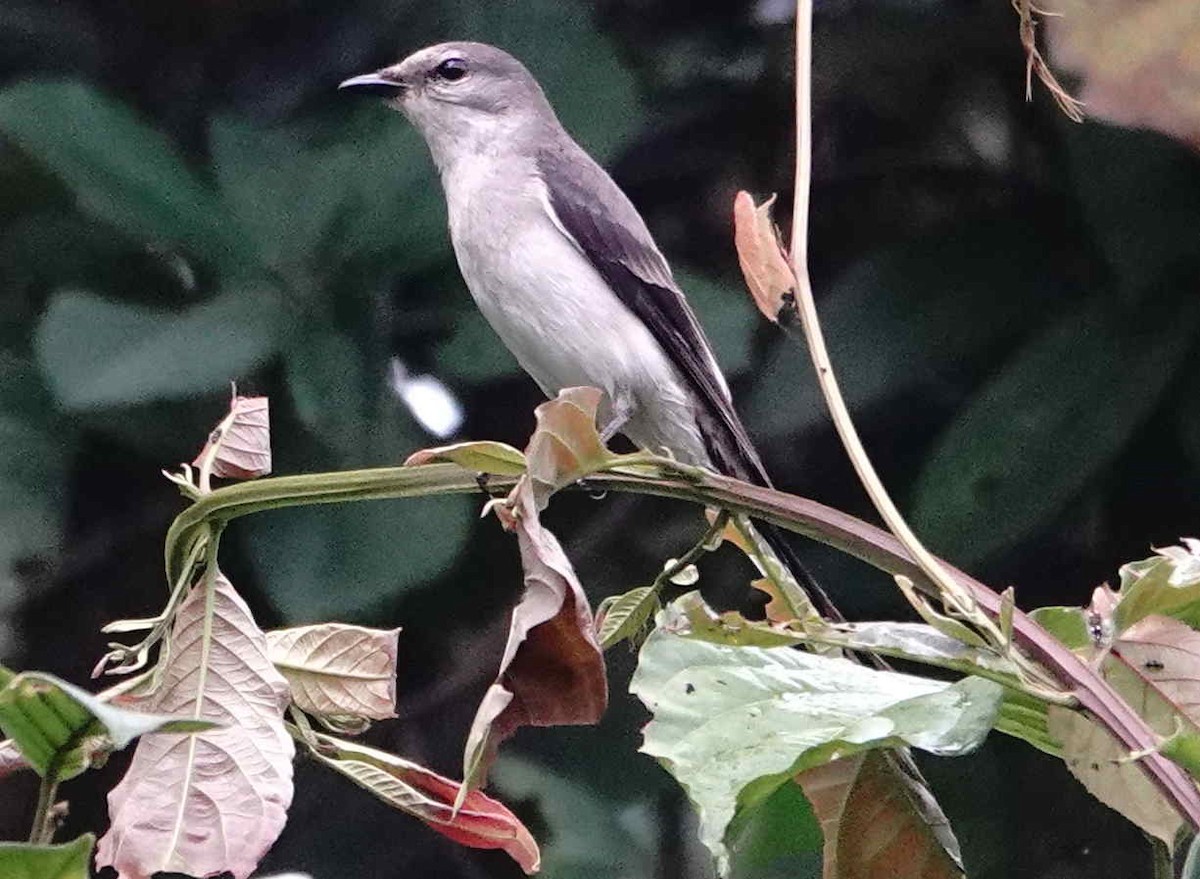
(777,838)
(1191,865)
(1161,584)
(623,616)
(1084,384)
(1068,624)
(690,617)
(893,320)
(60,728)
(482,456)
(121,170)
(473,352)
(316,201)
(1184,749)
(339,561)
(727,315)
(1137,192)
(21,860)
(96,352)
(587,835)
(333,390)
(729,717)
(1024,717)
(33,469)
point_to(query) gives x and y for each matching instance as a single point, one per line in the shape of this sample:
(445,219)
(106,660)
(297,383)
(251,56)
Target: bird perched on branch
(563,267)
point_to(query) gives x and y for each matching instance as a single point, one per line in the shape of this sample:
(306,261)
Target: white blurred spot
(429,401)
(774,11)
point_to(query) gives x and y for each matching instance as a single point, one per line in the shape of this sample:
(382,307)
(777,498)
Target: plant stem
(42,832)
(815,338)
(692,555)
(800,515)
(1094,693)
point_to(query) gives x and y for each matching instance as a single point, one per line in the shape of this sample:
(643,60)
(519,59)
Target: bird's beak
(380,84)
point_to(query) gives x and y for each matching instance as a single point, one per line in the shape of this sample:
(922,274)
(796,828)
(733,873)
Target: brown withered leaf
(763,260)
(565,445)
(338,669)
(1138,61)
(552,672)
(879,821)
(777,609)
(240,446)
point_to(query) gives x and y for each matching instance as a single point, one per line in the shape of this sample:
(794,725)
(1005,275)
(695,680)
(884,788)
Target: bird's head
(460,96)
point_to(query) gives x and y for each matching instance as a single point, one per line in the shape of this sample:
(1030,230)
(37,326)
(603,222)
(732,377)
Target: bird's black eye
(451,70)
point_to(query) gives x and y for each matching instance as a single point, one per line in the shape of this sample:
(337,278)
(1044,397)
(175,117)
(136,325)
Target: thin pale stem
(1093,692)
(815,338)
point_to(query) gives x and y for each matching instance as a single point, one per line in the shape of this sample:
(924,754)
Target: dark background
(1011,302)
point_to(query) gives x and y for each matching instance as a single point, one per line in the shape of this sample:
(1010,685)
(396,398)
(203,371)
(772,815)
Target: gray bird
(562,265)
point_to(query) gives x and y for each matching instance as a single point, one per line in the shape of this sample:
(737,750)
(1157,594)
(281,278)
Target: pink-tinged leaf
(1136,60)
(1166,653)
(10,759)
(213,802)
(479,822)
(240,446)
(552,672)
(337,669)
(484,456)
(565,445)
(764,263)
(1102,765)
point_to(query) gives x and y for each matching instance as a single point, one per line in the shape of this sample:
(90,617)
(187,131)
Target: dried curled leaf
(478,822)
(552,672)
(212,802)
(565,446)
(1035,64)
(240,446)
(338,669)
(763,260)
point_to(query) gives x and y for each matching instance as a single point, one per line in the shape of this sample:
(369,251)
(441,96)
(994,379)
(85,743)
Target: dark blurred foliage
(1011,301)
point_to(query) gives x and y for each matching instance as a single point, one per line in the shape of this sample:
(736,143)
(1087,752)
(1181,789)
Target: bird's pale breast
(556,313)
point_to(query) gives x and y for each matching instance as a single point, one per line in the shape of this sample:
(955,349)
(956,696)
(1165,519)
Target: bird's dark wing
(592,210)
